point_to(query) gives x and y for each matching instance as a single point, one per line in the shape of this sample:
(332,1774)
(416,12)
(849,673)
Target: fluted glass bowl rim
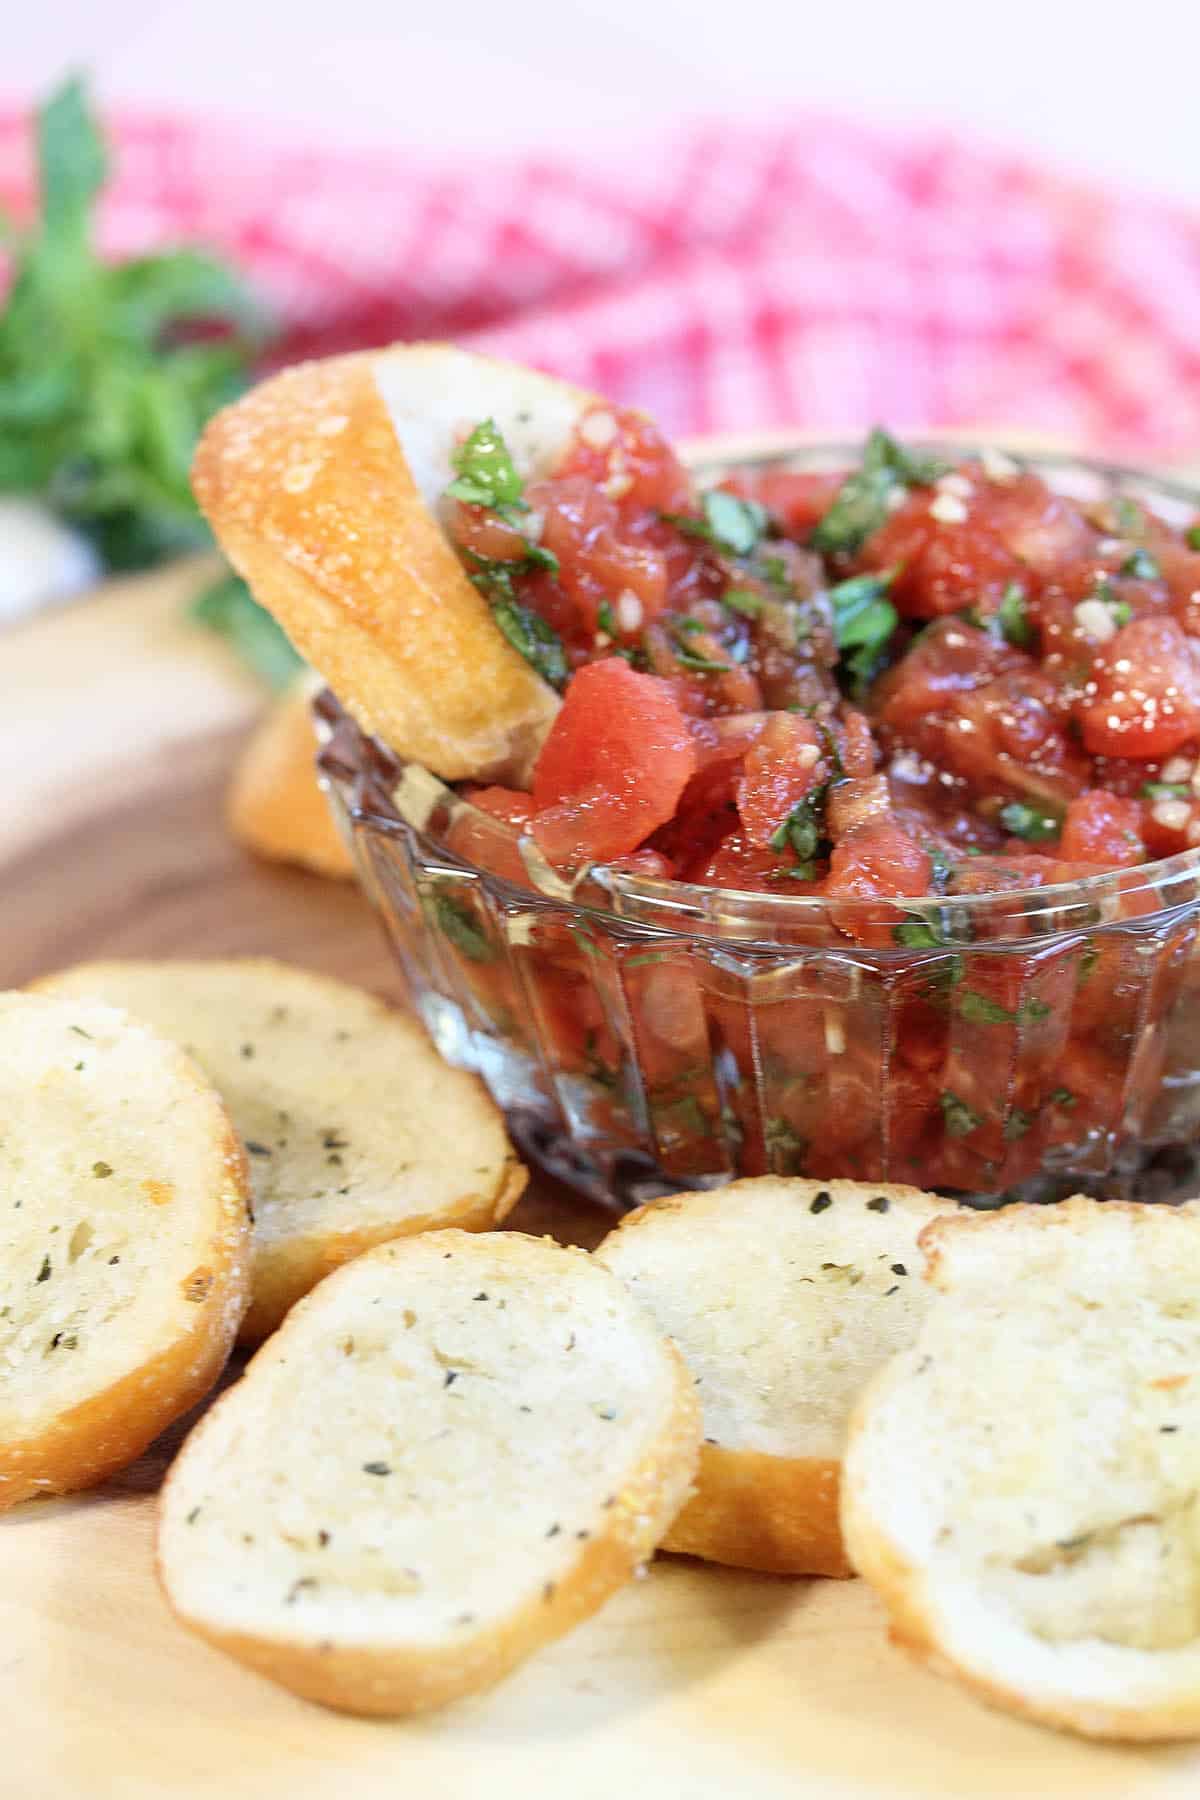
(1092,897)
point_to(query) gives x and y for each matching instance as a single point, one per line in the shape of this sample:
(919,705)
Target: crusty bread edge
(108,1431)
(308,490)
(286,1271)
(776,1514)
(779,1515)
(274,805)
(916,1622)
(402,1683)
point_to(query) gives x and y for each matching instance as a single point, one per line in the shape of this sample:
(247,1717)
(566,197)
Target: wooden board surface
(693,1684)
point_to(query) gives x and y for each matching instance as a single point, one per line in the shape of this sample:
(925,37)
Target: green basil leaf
(865,497)
(1032,823)
(229,609)
(487,475)
(1139,565)
(960,1119)
(741,600)
(1193,537)
(72,163)
(1013,617)
(529,634)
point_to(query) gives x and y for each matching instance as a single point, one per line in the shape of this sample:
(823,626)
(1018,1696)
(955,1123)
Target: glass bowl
(645,1035)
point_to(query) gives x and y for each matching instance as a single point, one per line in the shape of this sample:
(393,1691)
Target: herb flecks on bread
(1021,1484)
(123,1241)
(784,1296)
(355,1129)
(454,1450)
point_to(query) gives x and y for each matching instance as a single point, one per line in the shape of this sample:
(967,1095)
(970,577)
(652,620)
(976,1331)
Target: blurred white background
(1095,87)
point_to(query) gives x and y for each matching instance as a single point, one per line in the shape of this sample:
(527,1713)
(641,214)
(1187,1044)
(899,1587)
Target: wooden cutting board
(116,734)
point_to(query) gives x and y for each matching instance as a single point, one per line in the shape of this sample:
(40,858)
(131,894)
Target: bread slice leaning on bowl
(324,486)
(452,1452)
(1022,1485)
(784,1296)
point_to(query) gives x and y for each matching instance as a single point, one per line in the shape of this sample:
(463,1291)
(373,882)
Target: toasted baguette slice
(123,1241)
(1022,1483)
(454,1450)
(783,1296)
(275,805)
(357,1132)
(324,487)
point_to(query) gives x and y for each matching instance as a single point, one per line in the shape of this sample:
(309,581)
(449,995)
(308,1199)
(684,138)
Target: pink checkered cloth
(801,272)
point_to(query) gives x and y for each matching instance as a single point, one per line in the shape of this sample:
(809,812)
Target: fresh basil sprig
(865,498)
(109,371)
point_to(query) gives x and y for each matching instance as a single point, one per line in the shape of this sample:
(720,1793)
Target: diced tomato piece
(876,861)
(751,867)
(942,567)
(1143,699)
(509,804)
(613,766)
(780,769)
(949,658)
(622,450)
(1042,529)
(854,802)
(1103,829)
(799,502)
(478,841)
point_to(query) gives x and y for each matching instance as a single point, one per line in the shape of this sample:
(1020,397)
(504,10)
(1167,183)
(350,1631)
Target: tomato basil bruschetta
(907,678)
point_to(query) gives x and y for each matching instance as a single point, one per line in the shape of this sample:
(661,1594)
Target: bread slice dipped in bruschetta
(349,494)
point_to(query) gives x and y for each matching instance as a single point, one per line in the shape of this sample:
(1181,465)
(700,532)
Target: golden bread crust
(275,806)
(310,495)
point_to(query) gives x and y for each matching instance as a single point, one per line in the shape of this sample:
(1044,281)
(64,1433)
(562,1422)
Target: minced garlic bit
(998,467)
(629,610)
(617,486)
(532,525)
(598,430)
(835,1037)
(1095,619)
(807,755)
(1178,769)
(1172,815)
(956,483)
(948,509)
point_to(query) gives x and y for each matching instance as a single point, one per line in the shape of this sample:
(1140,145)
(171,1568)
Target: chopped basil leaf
(786,1149)
(1166,790)
(692,659)
(1013,617)
(740,600)
(961,1119)
(801,832)
(1131,520)
(457,922)
(1016,1125)
(1029,822)
(1063,1097)
(1193,537)
(979,1010)
(537,642)
(864,499)
(917,934)
(863,620)
(1139,565)
(487,475)
(729,523)
(605,618)
(1087,962)
(735,525)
